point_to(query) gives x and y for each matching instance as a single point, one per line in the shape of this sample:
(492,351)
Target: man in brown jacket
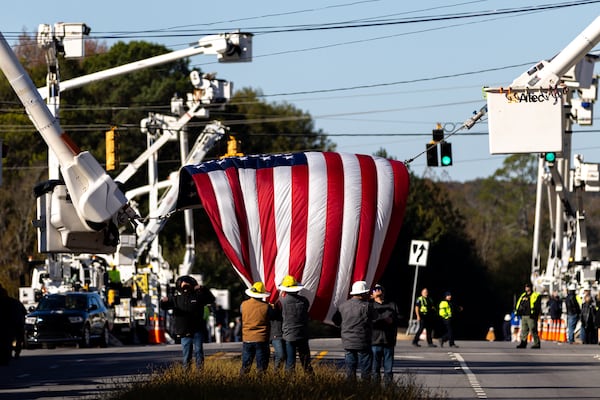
(255,329)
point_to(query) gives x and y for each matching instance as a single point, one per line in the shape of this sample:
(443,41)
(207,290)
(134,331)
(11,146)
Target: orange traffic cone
(562,331)
(491,336)
(556,329)
(156,333)
(545,329)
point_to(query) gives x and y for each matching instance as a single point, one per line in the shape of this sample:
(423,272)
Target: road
(475,370)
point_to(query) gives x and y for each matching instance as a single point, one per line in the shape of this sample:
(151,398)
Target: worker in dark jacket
(187,304)
(294,310)
(528,308)
(385,331)
(426,317)
(355,318)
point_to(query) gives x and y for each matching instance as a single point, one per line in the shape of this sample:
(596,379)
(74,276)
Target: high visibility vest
(532,302)
(424,301)
(445,310)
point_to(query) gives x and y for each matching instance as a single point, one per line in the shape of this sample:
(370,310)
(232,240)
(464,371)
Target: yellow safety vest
(424,301)
(532,302)
(445,310)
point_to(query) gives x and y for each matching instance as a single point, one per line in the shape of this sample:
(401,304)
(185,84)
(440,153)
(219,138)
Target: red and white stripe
(328,219)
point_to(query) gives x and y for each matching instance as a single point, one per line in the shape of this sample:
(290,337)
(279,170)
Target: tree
(453,263)
(271,127)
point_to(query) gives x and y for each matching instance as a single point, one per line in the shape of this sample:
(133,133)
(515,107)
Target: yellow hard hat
(290,284)
(258,291)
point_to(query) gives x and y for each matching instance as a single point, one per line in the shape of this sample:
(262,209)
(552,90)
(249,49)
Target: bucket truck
(534,115)
(144,272)
(80,208)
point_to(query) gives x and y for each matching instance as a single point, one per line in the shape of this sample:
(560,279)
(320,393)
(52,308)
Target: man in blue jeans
(187,304)
(385,331)
(294,311)
(355,318)
(256,315)
(573,312)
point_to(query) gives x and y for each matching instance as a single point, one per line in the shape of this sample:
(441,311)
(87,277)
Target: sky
(372,74)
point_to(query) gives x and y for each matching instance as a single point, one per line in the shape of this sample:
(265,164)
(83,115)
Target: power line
(372,22)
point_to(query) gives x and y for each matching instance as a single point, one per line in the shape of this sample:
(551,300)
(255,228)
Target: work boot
(535,346)
(522,345)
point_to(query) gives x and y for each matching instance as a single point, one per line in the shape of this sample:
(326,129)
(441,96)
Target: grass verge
(220,379)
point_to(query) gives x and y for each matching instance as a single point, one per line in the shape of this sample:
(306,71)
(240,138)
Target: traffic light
(550,157)
(446,153)
(432,154)
(438,133)
(112,149)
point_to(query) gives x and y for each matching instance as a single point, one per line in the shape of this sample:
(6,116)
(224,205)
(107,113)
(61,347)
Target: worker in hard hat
(573,312)
(355,318)
(294,311)
(256,324)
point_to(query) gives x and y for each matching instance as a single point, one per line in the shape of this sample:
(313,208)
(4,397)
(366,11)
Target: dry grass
(220,379)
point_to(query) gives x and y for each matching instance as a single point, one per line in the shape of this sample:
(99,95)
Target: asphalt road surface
(475,370)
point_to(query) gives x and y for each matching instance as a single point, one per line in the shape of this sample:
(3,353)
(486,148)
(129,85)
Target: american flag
(328,219)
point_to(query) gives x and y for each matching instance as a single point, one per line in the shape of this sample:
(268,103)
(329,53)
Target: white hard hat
(572,287)
(359,287)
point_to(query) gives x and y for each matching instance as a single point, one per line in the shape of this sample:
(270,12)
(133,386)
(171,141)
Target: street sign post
(417,257)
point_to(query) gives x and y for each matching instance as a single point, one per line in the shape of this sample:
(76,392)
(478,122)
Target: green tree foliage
(453,263)
(266,127)
(500,212)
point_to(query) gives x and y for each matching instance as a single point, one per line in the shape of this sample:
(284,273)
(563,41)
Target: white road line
(470,376)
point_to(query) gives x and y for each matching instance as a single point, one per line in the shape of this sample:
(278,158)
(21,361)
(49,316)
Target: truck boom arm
(548,73)
(95,195)
(229,47)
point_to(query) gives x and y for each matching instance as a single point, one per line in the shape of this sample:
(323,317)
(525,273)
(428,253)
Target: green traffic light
(550,157)
(446,154)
